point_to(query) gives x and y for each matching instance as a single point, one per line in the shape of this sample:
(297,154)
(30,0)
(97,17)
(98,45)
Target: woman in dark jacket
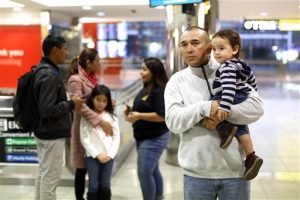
(150,131)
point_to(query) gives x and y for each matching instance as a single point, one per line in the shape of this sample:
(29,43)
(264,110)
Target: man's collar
(47,60)
(198,71)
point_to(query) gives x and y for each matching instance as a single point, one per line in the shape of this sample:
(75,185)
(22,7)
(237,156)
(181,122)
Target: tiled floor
(276,139)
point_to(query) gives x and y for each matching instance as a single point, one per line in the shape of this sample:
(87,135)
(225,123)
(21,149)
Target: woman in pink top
(81,79)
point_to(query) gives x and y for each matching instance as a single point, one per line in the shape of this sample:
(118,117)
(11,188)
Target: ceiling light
(45,18)
(9,4)
(263,14)
(97,20)
(60,3)
(101,14)
(17,9)
(86,7)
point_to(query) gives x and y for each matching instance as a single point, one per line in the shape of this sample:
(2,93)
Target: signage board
(16,146)
(289,25)
(20,48)
(154,3)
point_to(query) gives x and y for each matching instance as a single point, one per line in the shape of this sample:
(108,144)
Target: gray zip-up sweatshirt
(186,103)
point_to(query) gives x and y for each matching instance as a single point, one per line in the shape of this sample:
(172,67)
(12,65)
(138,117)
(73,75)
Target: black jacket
(54,108)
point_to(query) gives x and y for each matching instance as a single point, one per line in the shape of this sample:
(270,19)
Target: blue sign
(154,3)
(16,146)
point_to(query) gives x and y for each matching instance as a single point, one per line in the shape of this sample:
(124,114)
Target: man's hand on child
(222,115)
(209,123)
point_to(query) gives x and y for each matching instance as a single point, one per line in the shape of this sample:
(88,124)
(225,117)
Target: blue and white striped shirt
(231,78)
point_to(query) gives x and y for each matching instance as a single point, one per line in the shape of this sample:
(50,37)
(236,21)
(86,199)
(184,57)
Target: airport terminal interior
(124,34)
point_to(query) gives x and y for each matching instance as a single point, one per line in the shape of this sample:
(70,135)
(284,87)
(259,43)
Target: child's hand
(214,107)
(222,115)
(103,158)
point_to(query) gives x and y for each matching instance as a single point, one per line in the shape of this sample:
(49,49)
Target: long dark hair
(159,75)
(98,90)
(86,55)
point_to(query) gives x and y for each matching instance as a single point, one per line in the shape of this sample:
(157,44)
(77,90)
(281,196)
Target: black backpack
(25,108)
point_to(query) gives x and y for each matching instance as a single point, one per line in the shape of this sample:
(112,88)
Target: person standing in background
(209,171)
(54,124)
(81,79)
(100,148)
(150,131)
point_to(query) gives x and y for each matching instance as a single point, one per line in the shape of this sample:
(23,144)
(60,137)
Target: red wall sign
(20,48)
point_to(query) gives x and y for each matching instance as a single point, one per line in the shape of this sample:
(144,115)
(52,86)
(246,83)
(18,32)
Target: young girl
(100,148)
(234,80)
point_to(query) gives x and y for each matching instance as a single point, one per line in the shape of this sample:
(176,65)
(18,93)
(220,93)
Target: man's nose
(189,48)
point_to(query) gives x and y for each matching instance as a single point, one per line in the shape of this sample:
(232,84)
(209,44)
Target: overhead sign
(289,25)
(271,25)
(261,25)
(154,3)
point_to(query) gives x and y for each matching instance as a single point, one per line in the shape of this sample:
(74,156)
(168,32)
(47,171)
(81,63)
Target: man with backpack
(54,123)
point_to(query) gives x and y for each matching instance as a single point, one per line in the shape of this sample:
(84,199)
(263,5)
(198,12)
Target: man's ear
(54,50)
(208,49)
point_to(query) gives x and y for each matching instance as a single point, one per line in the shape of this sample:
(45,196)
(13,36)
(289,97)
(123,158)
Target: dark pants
(79,183)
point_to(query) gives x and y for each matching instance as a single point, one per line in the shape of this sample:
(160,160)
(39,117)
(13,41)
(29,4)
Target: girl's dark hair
(98,90)
(159,75)
(87,54)
(232,36)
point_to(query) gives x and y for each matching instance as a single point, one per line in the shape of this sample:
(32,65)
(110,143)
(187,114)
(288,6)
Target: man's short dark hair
(194,27)
(190,28)
(50,42)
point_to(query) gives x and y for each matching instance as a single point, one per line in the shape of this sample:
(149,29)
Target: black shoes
(226,132)
(252,164)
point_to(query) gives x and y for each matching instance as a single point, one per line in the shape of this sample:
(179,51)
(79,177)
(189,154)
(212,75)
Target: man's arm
(248,111)
(178,116)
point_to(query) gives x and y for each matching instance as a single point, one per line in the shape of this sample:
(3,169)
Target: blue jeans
(211,189)
(149,152)
(99,174)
